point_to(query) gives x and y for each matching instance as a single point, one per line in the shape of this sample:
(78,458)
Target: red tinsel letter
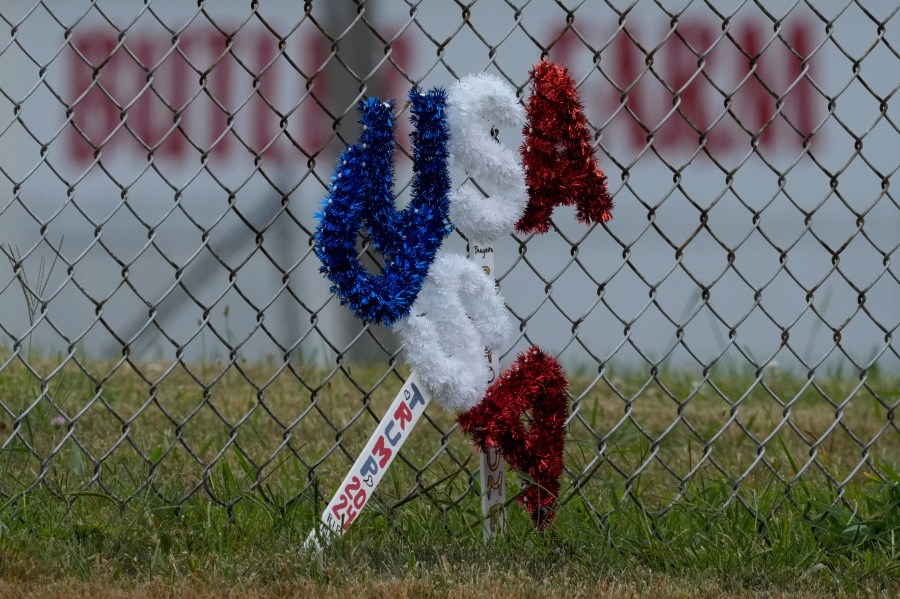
(560,166)
(535,382)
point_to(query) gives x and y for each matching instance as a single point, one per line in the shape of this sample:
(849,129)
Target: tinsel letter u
(362,196)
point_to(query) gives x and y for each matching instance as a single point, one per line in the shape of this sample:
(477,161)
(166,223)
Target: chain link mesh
(166,331)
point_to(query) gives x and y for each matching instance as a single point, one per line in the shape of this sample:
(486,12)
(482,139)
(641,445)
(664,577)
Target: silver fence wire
(165,332)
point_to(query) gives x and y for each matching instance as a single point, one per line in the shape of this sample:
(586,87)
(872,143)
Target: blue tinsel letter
(362,196)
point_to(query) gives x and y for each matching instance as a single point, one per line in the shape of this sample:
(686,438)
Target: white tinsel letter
(475,103)
(457,314)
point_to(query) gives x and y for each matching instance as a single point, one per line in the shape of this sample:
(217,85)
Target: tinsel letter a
(535,383)
(560,166)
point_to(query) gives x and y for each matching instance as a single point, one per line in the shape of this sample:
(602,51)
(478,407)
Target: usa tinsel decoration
(458,314)
(362,197)
(535,383)
(560,165)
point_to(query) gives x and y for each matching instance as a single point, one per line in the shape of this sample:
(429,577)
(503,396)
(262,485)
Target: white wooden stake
(374,460)
(493,466)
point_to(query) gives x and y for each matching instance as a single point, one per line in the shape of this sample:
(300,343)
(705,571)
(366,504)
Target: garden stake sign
(369,468)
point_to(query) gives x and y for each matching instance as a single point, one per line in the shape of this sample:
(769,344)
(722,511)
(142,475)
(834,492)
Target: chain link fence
(165,331)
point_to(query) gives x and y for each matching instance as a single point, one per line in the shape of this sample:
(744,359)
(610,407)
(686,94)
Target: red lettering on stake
(340,507)
(360,500)
(350,516)
(355,484)
(382,451)
(403,415)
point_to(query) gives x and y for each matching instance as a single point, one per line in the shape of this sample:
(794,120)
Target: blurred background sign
(170,160)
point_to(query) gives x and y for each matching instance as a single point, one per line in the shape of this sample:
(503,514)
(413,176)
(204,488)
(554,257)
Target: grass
(205,480)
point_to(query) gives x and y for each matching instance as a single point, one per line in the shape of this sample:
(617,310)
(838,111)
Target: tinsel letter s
(534,382)
(560,165)
(362,196)
(457,315)
(476,102)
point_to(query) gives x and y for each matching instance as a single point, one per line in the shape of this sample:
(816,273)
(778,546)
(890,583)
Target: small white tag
(369,468)
(493,466)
